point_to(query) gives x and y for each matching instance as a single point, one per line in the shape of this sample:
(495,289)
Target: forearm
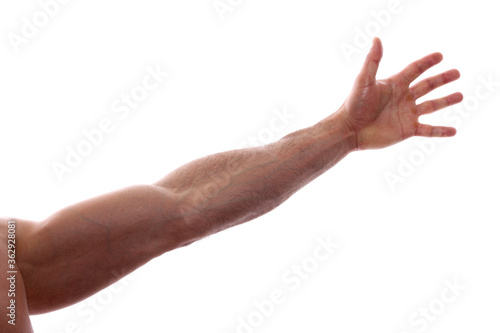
(229,188)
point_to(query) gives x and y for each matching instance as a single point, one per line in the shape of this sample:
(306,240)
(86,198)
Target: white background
(226,76)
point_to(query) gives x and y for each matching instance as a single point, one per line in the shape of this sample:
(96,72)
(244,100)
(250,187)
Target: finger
(438,104)
(415,69)
(435,131)
(426,86)
(370,66)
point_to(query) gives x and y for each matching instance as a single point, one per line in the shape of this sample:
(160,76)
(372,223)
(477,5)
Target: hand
(384,112)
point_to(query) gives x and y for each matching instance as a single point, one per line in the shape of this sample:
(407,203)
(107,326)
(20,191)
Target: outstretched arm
(229,188)
(88,246)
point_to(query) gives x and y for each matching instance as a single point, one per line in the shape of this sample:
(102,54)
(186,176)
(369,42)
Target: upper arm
(88,246)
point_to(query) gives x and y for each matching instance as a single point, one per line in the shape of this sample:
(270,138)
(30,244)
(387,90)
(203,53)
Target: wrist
(339,127)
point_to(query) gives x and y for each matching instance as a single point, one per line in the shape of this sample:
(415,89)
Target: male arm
(87,246)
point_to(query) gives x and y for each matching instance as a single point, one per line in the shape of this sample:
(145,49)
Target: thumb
(369,71)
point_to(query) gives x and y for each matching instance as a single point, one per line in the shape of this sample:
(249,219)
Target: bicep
(105,238)
(107,222)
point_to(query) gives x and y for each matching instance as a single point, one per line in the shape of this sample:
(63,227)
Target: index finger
(415,69)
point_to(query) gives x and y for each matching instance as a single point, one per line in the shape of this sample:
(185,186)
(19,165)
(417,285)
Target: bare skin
(86,247)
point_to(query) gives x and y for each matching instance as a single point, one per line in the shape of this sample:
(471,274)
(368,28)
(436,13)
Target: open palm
(384,112)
